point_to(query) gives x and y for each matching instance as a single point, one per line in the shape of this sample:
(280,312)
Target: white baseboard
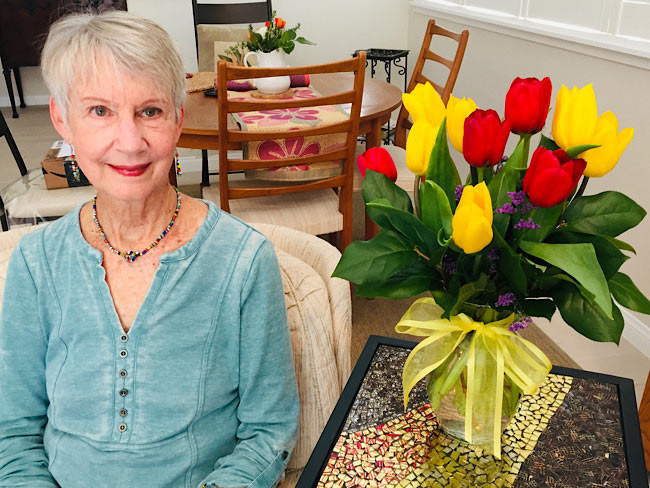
(636,332)
(30,100)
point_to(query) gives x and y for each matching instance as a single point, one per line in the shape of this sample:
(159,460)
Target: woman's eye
(99,111)
(151,111)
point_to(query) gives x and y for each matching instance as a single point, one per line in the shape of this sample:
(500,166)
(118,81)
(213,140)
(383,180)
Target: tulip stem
(583,186)
(474,171)
(416,196)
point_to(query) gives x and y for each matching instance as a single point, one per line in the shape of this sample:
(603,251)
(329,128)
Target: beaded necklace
(131,256)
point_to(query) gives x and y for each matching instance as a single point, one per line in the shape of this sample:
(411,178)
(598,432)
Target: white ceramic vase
(274,59)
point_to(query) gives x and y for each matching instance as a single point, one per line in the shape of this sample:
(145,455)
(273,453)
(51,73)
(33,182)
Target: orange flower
(280,22)
(249,36)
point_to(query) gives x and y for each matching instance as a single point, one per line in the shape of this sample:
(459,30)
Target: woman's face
(124,132)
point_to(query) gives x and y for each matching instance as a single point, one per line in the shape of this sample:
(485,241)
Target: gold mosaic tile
(410,451)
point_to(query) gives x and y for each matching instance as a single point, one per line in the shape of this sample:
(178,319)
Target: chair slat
(240,106)
(263,191)
(238,136)
(240,72)
(439,59)
(242,164)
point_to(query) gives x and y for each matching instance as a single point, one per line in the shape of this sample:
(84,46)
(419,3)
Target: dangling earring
(75,169)
(179,170)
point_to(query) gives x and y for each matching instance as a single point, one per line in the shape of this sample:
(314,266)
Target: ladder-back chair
(322,206)
(426,54)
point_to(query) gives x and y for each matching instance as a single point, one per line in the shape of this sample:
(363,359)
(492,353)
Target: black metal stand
(389,57)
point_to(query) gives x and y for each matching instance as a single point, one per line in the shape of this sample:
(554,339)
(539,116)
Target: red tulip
(267,23)
(527,104)
(379,160)
(552,176)
(484,137)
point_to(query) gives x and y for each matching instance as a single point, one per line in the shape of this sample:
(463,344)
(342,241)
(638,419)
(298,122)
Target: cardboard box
(57,168)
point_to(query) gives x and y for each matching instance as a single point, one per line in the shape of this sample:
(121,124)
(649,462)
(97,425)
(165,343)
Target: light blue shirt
(201,389)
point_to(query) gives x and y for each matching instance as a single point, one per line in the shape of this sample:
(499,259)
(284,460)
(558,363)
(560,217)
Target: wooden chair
(426,54)
(222,14)
(323,206)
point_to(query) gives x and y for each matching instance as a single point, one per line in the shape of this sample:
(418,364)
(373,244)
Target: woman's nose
(130,137)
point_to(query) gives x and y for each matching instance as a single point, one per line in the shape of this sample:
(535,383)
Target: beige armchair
(319,309)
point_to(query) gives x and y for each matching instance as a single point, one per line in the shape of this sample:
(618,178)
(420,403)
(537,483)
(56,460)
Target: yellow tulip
(424,103)
(457,111)
(575,116)
(471,225)
(419,145)
(601,160)
(576,122)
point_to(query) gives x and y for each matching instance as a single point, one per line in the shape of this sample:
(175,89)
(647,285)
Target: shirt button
(285,455)
(124,337)
(124,353)
(124,392)
(123,373)
(121,427)
(123,412)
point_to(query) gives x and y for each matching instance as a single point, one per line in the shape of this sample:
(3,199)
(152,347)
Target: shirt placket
(124,384)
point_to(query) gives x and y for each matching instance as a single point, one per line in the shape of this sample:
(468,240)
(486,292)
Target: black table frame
(631,429)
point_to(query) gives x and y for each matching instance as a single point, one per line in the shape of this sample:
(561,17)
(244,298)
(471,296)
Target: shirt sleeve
(268,409)
(23,395)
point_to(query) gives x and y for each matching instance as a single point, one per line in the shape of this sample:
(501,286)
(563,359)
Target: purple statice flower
(517,197)
(526,207)
(458,192)
(526,224)
(507,208)
(449,265)
(505,300)
(520,324)
(493,254)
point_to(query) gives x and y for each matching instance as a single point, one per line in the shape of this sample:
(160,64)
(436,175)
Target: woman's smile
(130,170)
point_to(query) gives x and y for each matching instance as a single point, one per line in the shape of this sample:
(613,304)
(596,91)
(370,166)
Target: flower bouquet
(518,239)
(273,36)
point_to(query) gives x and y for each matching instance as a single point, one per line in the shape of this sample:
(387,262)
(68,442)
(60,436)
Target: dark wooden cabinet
(23,28)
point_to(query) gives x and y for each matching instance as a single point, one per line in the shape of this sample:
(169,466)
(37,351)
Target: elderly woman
(143,339)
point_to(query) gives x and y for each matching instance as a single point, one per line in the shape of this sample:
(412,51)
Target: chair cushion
(8,241)
(207,34)
(314,212)
(28,197)
(310,325)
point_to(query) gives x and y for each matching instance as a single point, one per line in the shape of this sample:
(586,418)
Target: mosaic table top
(572,433)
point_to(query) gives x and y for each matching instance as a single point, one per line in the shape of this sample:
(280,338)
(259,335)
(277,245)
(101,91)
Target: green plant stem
(474,172)
(526,138)
(480,174)
(583,186)
(416,196)
(476,266)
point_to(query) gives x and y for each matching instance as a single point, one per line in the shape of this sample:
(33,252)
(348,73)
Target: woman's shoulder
(231,230)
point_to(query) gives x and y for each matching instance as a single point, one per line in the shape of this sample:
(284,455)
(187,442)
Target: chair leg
(10,90)
(19,86)
(4,131)
(205,170)
(3,216)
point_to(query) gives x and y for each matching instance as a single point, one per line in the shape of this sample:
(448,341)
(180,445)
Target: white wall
(492,60)
(338,27)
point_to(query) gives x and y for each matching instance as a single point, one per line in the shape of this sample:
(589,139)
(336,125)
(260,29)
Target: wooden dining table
(380,99)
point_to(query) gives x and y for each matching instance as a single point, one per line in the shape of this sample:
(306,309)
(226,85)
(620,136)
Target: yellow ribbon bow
(494,351)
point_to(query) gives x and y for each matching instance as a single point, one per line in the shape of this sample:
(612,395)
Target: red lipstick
(136,170)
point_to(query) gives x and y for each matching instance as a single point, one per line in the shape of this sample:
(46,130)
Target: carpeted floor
(378,316)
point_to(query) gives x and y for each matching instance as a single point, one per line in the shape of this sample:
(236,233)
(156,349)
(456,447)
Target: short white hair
(131,44)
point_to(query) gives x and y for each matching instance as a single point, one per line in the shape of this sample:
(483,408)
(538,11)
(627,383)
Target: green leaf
(468,291)
(579,261)
(609,213)
(607,253)
(586,317)
(225,58)
(620,244)
(404,223)
(538,308)
(376,185)
(442,169)
(627,294)
(398,286)
(289,47)
(548,143)
(436,211)
(510,266)
(547,219)
(302,40)
(575,151)
(376,259)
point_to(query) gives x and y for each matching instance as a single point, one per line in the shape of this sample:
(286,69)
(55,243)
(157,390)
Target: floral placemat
(279,120)
(411,451)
